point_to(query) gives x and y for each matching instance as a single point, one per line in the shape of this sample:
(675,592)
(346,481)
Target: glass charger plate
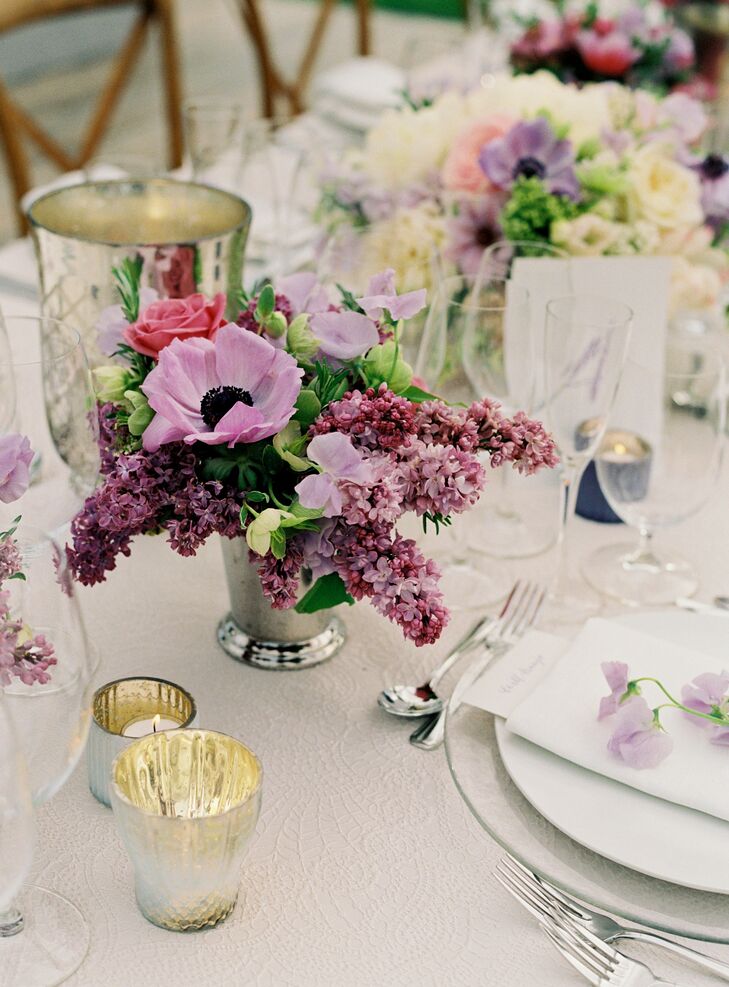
(482,780)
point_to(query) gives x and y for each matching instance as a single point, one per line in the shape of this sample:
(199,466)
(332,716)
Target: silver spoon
(422,700)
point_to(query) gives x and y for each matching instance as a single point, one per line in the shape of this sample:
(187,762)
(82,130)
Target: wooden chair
(273,84)
(16,124)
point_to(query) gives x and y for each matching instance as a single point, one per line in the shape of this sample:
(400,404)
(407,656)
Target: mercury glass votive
(186,803)
(188,237)
(125,710)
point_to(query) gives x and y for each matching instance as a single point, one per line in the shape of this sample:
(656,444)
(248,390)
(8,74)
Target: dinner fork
(543,901)
(518,614)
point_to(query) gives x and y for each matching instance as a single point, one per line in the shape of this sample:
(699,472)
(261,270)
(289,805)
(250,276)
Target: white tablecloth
(366,868)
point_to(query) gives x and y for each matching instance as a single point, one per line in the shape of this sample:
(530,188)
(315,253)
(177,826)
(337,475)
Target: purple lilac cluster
(10,559)
(27,659)
(143,493)
(424,458)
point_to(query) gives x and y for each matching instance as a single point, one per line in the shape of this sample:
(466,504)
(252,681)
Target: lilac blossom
(27,659)
(616,675)
(440,479)
(280,577)
(16,456)
(638,738)
(11,561)
(338,460)
(382,296)
(532,150)
(235,388)
(375,419)
(344,335)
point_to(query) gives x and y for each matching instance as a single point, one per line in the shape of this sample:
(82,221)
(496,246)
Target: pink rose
(16,456)
(175,318)
(175,270)
(461,171)
(606,51)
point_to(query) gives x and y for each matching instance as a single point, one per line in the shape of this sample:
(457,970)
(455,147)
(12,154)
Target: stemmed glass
(16,819)
(516,530)
(586,341)
(46,394)
(43,936)
(660,475)
(475,332)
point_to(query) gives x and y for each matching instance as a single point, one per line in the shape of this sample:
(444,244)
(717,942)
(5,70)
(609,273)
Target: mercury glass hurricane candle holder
(186,803)
(125,710)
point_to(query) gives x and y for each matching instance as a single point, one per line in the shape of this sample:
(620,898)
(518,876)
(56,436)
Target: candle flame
(620,448)
(155,722)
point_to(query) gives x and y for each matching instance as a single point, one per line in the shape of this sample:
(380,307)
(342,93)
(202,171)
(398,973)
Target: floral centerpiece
(297,427)
(637,44)
(597,170)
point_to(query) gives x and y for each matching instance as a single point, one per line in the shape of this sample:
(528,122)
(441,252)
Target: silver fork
(518,614)
(536,891)
(599,963)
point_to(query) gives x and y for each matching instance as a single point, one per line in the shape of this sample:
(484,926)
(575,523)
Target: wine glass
(463,349)
(516,529)
(661,474)
(585,347)
(45,937)
(16,821)
(214,128)
(46,394)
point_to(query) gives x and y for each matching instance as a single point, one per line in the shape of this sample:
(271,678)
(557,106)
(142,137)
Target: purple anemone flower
(638,738)
(339,460)
(471,229)
(237,388)
(714,174)
(533,150)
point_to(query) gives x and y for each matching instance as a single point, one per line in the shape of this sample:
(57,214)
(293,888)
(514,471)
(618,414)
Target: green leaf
(258,497)
(417,395)
(128,276)
(218,469)
(266,303)
(328,591)
(18,575)
(308,407)
(278,544)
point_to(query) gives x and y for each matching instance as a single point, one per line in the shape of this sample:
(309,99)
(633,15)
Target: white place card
(511,678)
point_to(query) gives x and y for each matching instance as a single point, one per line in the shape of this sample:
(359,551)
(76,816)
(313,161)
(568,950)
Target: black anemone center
(485,236)
(530,168)
(217,402)
(714,166)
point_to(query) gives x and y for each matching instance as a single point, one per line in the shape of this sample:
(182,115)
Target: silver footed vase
(254,633)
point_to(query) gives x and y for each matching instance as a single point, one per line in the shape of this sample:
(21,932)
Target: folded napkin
(365,83)
(560,715)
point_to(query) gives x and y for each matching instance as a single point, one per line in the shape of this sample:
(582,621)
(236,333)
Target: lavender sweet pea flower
(638,738)
(16,456)
(304,293)
(533,150)
(381,295)
(344,335)
(339,460)
(235,388)
(707,693)
(616,675)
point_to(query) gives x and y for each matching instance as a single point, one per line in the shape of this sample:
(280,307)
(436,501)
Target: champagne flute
(662,474)
(43,936)
(586,341)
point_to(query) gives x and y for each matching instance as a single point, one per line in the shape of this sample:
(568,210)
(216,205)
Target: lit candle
(143,726)
(625,464)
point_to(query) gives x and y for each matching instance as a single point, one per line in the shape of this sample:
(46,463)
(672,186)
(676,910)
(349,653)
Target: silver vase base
(280,655)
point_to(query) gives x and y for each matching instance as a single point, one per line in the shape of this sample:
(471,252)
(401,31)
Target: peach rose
(175,318)
(461,171)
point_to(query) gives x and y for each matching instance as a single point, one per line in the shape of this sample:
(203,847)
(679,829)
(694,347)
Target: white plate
(647,834)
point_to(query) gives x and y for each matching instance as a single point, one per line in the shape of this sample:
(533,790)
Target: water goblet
(43,936)
(586,341)
(660,475)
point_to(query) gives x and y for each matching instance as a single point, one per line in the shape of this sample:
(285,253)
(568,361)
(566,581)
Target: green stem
(694,712)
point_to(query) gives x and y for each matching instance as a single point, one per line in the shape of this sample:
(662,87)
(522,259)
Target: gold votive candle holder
(124,710)
(186,803)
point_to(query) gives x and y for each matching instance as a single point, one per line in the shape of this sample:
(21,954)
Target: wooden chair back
(17,126)
(274,85)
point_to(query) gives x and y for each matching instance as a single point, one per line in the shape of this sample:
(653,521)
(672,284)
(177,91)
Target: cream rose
(662,191)
(693,286)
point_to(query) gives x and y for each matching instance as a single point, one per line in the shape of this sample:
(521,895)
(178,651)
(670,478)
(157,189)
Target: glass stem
(644,556)
(11,923)
(503,508)
(571,475)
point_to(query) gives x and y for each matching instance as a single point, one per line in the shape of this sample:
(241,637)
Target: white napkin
(560,715)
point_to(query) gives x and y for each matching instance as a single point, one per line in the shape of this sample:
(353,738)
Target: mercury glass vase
(189,238)
(186,803)
(255,633)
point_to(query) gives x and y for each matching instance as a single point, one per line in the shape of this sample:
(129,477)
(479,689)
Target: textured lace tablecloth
(366,869)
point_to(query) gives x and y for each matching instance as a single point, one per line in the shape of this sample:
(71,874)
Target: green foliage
(349,301)
(417,395)
(437,520)
(328,591)
(531,210)
(384,363)
(308,407)
(127,277)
